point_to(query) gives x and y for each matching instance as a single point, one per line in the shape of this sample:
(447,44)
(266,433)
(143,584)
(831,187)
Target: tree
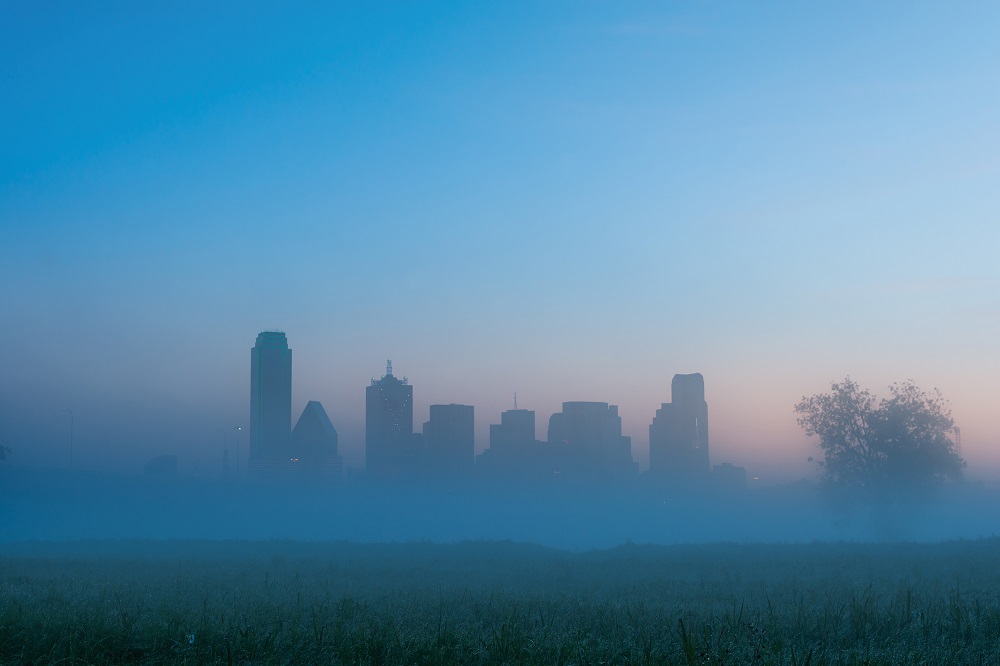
(883,447)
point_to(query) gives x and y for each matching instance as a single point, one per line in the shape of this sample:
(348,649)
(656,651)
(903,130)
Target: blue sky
(567,200)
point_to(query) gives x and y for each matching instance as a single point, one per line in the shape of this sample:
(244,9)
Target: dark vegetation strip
(498,603)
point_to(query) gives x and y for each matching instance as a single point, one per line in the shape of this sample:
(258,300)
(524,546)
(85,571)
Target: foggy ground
(111,569)
(49,506)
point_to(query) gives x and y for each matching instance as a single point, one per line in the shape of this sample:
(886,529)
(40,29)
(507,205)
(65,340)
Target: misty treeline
(887,449)
(498,603)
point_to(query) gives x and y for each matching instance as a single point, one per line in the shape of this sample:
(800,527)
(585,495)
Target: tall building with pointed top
(678,436)
(314,439)
(313,451)
(270,397)
(388,425)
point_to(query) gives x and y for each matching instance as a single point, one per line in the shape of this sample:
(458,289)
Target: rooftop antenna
(388,367)
(515,401)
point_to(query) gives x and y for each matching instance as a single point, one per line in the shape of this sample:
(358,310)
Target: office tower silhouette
(314,443)
(515,431)
(388,425)
(270,397)
(449,440)
(514,453)
(589,441)
(678,435)
(314,437)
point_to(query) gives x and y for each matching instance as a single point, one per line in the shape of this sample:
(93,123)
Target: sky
(566,200)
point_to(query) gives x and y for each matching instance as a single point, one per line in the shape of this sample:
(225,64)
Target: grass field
(499,603)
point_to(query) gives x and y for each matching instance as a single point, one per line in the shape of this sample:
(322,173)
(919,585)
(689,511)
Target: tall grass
(499,603)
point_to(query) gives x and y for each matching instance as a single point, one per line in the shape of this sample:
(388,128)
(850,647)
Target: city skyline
(202,453)
(570,203)
(583,442)
(203,457)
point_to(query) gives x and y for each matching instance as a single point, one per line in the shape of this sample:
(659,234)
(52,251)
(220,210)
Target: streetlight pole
(70,438)
(237,429)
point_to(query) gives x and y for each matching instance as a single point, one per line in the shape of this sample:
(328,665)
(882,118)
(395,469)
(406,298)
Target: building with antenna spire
(513,451)
(514,434)
(389,446)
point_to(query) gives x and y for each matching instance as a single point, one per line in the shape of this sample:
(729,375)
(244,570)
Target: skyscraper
(314,445)
(449,439)
(588,438)
(314,439)
(388,424)
(514,453)
(678,436)
(270,397)
(515,431)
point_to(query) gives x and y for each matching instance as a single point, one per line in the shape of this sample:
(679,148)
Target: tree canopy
(895,444)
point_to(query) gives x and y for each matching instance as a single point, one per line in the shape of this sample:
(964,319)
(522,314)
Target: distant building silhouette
(678,436)
(514,453)
(314,437)
(728,476)
(314,443)
(515,431)
(389,442)
(587,439)
(270,397)
(277,453)
(449,440)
